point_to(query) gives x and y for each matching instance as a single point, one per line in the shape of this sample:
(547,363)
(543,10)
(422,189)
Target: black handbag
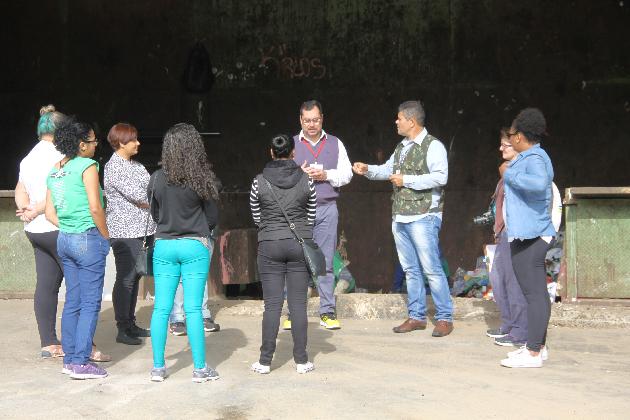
(144,260)
(313,255)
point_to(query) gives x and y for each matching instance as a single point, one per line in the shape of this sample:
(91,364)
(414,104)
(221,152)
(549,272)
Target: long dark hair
(185,162)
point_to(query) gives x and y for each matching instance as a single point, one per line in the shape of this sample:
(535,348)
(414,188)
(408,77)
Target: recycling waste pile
(475,283)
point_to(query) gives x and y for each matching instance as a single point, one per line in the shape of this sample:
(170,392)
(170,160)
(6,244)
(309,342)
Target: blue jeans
(417,244)
(177,313)
(189,260)
(83,258)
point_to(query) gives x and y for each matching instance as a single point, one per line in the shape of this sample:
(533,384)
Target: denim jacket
(528,195)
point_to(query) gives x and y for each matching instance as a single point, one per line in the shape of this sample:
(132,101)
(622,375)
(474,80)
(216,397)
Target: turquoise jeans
(190,260)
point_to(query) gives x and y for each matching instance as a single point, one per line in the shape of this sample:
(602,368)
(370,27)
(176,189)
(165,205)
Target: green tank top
(69,196)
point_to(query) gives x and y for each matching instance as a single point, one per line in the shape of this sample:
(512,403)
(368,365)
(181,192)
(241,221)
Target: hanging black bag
(144,260)
(313,255)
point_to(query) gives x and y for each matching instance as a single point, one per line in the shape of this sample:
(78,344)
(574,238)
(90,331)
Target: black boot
(125,337)
(136,331)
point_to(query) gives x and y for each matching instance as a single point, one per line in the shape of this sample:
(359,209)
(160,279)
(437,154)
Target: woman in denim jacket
(528,194)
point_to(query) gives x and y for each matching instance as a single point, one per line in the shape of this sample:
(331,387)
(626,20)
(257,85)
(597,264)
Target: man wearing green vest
(418,171)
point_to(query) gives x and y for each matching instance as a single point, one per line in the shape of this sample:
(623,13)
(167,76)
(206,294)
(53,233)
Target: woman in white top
(30,198)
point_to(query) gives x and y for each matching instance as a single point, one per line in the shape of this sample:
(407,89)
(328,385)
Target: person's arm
(343,174)
(25,210)
(311,205)
(22,200)
(375,172)
(92,188)
(530,176)
(50,212)
(437,163)
(154,205)
(130,187)
(556,207)
(254,202)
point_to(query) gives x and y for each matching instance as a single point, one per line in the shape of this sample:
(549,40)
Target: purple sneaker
(67,369)
(88,371)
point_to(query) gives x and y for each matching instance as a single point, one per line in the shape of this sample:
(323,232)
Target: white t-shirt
(34,169)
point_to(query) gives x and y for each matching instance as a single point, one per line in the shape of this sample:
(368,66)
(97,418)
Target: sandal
(53,350)
(98,356)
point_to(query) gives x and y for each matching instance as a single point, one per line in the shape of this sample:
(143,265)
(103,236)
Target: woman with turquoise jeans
(183,196)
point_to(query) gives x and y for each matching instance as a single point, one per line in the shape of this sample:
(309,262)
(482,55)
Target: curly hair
(531,122)
(69,135)
(185,162)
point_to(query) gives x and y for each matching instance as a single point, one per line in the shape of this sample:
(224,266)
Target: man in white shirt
(324,158)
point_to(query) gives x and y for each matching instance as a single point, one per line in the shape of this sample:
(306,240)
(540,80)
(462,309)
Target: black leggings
(528,261)
(125,292)
(278,260)
(49,276)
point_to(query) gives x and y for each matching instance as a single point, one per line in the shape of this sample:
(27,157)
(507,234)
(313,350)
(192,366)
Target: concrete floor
(362,371)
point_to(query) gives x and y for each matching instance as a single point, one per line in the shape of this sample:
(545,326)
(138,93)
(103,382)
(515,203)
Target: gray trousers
(507,292)
(325,235)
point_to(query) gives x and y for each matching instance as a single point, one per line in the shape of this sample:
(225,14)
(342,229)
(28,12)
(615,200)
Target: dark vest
(407,201)
(328,157)
(273,225)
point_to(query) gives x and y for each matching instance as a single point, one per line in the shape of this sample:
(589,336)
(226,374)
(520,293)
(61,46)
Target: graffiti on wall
(276,58)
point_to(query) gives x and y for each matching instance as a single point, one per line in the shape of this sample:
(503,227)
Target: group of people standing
(61,202)
(60,199)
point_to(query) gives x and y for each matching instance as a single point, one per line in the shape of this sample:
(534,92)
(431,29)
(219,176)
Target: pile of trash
(472,283)
(476,283)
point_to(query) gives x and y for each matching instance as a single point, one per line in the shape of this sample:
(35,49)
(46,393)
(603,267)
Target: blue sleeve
(529,176)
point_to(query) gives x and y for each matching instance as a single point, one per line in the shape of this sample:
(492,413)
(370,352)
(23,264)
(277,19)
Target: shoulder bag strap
(286,216)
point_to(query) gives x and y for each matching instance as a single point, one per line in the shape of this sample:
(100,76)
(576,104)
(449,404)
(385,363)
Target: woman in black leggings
(528,194)
(30,198)
(280,256)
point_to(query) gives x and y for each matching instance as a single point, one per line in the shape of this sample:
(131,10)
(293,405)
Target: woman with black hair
(185,192)
(528,194)
(74,203)
(280,256)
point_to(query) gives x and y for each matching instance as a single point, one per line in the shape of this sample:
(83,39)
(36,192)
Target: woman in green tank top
(74,203)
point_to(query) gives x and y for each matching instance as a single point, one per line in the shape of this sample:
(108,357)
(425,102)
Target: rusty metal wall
(474,64)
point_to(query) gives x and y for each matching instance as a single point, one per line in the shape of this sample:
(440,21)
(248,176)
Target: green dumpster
(597,243)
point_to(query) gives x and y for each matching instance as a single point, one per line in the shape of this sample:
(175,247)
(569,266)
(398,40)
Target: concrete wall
(473,63)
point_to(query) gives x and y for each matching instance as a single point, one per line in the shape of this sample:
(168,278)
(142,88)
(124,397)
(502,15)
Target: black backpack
(198,76)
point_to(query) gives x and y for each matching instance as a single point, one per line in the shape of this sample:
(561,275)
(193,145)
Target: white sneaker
(544,353)
(262,369)
(523,359)
(304,367)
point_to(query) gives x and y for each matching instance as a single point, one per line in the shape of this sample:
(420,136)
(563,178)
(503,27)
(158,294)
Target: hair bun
(46,109)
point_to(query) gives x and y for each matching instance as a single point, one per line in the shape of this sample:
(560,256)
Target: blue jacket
(528,195)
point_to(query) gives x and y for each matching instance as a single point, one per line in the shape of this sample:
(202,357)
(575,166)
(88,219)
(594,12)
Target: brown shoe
(442,329)
(410,325)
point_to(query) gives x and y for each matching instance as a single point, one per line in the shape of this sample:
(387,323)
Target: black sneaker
(210,326)
(136,331)
(177,328)
(125,338)
(495,333)
(508,341)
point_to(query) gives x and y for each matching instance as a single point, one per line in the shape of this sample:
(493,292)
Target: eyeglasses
(91,141)
(307,121)
(505,146)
